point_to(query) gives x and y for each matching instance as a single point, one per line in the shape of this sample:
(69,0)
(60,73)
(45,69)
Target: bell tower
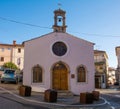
(59,21)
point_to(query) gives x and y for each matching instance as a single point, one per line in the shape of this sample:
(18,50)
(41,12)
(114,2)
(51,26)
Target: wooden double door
(97,81)
(60,77)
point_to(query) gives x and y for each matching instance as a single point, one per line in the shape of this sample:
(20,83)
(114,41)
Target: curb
(53,104)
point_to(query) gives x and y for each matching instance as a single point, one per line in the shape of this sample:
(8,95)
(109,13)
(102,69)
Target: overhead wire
(103,35)
(2,18)
(99,35)
(45,27)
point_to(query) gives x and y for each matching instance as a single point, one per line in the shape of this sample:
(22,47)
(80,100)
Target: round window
(59,48)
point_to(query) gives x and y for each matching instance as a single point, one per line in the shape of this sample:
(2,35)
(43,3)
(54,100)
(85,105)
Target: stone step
(65,93)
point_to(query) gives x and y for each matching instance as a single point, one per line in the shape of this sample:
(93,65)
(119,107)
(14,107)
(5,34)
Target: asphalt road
(113,100)
(7,102)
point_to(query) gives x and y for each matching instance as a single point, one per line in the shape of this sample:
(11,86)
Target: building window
(37,74)
(2,49)
(59,48)
(19,50)
(18,61)
(9,48)
(103,79)
(81,74)
(2,59)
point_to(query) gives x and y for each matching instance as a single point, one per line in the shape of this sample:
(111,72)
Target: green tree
(10,65)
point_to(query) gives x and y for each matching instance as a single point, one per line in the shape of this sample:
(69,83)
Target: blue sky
(97,21)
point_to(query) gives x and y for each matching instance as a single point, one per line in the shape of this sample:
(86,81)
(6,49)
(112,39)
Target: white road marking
(35,101)
(117,95)
(109,104)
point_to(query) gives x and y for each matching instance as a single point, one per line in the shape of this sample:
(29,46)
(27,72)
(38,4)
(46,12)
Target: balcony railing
(99,63)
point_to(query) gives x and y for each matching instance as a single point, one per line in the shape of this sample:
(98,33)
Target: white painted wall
(39,51)
(16,55)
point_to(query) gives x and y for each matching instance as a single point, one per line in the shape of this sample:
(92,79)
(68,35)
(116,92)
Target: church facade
(59,60)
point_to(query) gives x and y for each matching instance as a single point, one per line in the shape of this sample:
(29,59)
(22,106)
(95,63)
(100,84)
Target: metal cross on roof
(59,5)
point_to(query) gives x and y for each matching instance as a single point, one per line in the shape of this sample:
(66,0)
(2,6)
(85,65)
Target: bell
(59,19)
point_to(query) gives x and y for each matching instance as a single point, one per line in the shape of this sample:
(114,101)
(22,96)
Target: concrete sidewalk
(62,101)
(111,89)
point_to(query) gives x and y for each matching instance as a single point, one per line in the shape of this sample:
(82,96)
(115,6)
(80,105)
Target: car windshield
(9,71)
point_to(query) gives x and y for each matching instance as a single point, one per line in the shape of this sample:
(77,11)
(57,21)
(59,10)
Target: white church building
(59,60)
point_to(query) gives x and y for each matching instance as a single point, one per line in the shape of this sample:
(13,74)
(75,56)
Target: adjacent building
(117,50)
(59,60)
(111,76)
(101,68)
(12,53)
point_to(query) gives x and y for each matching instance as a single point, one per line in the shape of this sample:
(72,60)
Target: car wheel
(2,81)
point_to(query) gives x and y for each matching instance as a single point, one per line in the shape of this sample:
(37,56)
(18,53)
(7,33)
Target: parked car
(116,83)
(10,75)
(1,71)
